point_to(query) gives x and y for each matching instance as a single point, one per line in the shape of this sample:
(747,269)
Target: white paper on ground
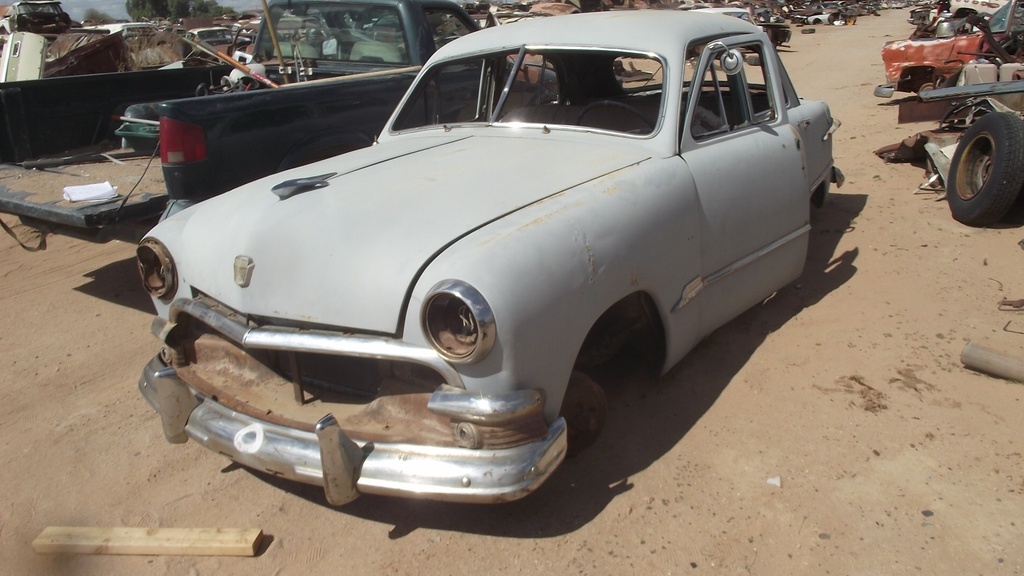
(90,192)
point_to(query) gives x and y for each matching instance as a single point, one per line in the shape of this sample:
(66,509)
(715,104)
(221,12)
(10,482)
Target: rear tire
(987,170)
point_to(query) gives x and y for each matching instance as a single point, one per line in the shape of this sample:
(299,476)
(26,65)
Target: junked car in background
(936,58)
(219,38)
(36,16)
(775,26)
(425,317)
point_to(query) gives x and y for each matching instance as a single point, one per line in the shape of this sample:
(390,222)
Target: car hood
(346,255)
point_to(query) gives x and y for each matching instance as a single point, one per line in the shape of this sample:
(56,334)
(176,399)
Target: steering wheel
(615,104)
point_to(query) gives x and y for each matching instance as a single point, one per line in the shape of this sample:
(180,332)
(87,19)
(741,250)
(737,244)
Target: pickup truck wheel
(584,408)
(985,176)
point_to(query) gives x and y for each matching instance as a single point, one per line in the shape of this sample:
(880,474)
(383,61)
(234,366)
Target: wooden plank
(148,541)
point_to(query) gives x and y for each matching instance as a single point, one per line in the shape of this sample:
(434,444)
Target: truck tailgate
(37,196)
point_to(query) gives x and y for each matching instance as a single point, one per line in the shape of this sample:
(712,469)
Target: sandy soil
(847,386)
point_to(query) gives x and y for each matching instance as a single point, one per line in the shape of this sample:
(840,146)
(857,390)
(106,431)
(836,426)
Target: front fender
(550,270)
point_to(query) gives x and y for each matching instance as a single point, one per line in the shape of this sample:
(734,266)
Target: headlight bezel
(451,299)
(156,269)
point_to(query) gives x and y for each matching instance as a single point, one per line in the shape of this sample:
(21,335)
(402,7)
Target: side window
(448,95)
(445,26)
(733,92)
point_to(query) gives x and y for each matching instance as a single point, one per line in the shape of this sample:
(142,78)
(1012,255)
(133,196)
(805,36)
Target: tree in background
(174,9)
(146,9)
(94,15)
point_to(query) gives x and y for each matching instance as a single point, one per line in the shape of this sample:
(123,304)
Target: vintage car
(934,56)
(36,16)
(421,318)
(775,26)
(217,37)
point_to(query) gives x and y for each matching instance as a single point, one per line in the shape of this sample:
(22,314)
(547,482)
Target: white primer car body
(418,318)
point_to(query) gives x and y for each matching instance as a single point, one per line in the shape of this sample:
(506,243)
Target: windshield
(607,90)
(997,22)
(39,8)
(222,35)
(364,33)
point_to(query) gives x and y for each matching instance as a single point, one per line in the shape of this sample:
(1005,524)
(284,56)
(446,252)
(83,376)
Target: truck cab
(332,37)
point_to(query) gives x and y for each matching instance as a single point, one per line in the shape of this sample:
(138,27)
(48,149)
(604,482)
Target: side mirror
(731,62)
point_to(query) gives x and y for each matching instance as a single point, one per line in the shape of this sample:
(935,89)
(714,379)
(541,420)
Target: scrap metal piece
(1011,305)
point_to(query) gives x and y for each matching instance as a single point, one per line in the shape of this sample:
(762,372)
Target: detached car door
(746,163)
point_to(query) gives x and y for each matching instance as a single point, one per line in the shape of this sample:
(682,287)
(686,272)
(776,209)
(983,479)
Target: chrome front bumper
(345,467)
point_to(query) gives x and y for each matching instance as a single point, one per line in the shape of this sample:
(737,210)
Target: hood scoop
(289,188)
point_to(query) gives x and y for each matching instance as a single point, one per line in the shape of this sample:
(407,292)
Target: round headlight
(157,269)
(458,322)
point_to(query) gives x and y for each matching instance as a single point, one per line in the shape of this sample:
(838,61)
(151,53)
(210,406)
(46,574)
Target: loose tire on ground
(987,170)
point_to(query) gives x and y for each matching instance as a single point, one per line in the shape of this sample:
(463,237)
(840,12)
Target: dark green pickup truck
(341,66)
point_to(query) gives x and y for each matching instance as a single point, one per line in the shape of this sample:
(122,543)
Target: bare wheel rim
(978,167)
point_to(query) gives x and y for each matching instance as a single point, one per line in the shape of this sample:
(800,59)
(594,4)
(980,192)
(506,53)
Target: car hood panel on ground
(346,255)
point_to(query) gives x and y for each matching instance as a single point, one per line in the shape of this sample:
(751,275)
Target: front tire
(987,170)
(585,409)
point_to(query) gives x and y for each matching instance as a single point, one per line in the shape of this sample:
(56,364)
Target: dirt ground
(847,387)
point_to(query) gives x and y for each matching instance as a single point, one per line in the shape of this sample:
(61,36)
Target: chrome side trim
(696,285)
(315,341)
(751,258)
(405,470)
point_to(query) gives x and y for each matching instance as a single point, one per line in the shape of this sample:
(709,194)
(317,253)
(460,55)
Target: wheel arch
(632,320)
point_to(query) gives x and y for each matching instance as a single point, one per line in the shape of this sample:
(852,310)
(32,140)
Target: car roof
(662,31)
(721,9)
(118,27)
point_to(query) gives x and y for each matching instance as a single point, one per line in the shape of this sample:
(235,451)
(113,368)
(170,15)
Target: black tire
(585,408)
(987,170)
